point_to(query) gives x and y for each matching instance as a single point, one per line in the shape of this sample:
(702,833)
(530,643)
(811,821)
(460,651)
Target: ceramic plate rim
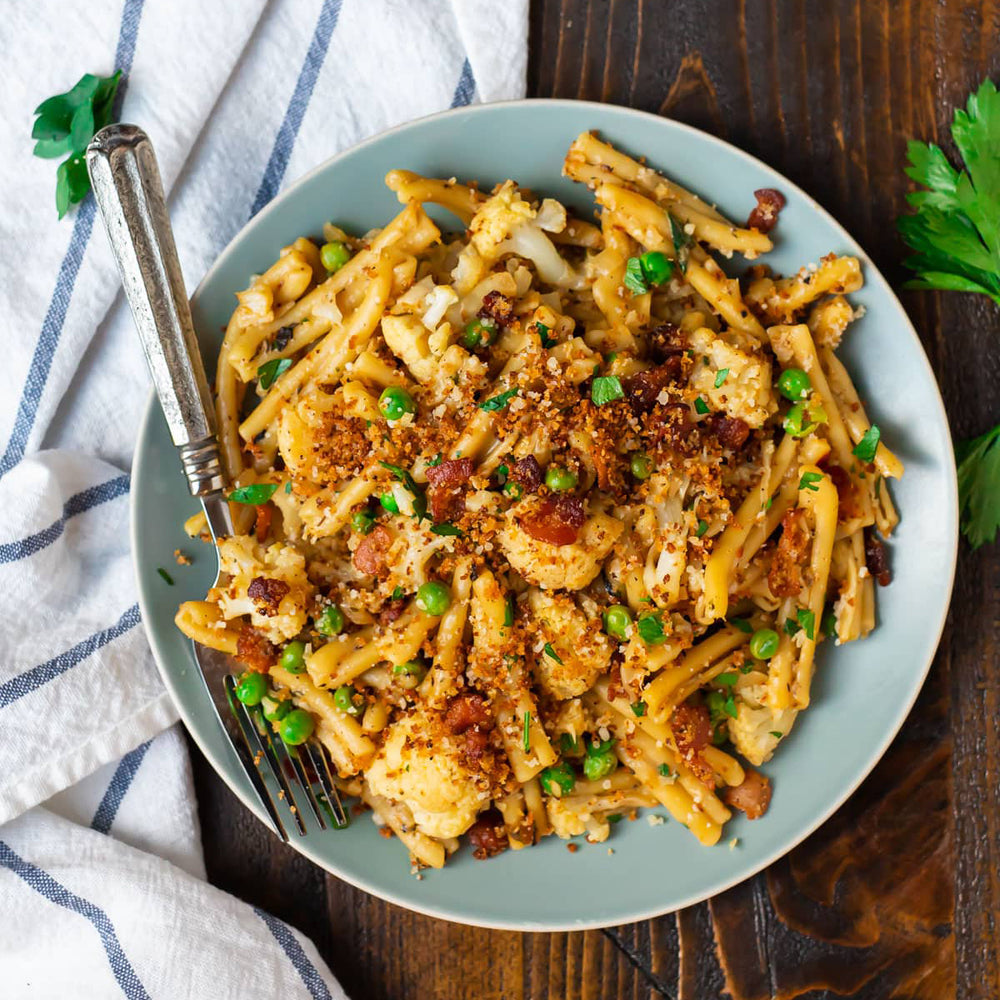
(786,844)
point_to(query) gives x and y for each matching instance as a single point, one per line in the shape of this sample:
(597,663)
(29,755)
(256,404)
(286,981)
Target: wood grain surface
(899,894)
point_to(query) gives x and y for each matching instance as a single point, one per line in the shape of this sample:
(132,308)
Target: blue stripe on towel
(290,946)
(284,141)
(45,885)
(465,89)
(78,503)
(17,687)
(120,782)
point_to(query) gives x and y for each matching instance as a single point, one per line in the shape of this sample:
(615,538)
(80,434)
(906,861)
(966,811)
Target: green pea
(715,701)
(796,421)
(560,480)
(479,332)
(296,727)
(641,465)
(514,490)
(292,657)
(362,521)
(345,699)
(764,644)
(331,621)
(388,502)
(597,765)
(720,734)
(433,597)
(794,384)
(395,401)
(656,267)
(411,673)
(559,776)
(617,620)
(334,255)
(251,688)
(275,709)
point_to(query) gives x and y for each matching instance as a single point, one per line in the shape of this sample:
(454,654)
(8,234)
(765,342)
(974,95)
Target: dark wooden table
(899,894)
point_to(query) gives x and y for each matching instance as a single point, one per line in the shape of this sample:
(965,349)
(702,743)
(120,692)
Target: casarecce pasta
(541,522)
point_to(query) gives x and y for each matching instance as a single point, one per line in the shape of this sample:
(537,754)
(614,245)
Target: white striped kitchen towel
(239,97)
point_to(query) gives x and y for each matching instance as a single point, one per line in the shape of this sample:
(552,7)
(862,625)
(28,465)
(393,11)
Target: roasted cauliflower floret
(582,650)
(268,584)
(555,567)
(744,391)
(756,723)
(506,223)
(421,765)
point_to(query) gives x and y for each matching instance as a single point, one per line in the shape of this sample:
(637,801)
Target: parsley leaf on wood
(979,487)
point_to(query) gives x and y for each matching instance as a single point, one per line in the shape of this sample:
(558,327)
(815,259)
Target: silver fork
(126,183)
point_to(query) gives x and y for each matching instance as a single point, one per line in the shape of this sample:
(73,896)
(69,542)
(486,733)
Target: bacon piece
(672,423)
(876,559)
(497,307)
(447,482)
(752,797)
(266,594)
(265,513)
(392,611)
(488,835)
(556,520)
(255,650)
(643,388)
(477,742)
(666,341)
(769,203)
(692,729)
(369,556)
(732,432)
(527,473)
(785,575)
(465,711)
(283,337)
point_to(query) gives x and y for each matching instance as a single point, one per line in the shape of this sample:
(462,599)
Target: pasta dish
(541,521)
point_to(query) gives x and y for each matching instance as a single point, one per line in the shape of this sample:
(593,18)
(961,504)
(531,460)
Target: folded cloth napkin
(238,96)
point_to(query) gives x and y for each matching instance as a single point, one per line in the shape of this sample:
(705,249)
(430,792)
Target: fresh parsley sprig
(65,124)
(955,233)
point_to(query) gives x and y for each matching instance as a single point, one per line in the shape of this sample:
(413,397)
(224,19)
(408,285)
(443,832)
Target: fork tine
(300,773)
(276,758)
(315,749)
(252,754)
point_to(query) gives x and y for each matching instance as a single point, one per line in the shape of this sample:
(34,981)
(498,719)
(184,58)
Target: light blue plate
(863,691)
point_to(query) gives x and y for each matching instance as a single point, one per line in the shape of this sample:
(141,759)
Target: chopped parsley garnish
(502,473)
(288,486)
(508,611)
(569,744)
(791,626)
(809,481)
(638,709)
(446,529)
(729,707)
(650,629)
(498,402)
(776,734)
(721,377)
(701,406)
(615,818)
(807,620)
(635,280)
(549,651)
(742,624)
(726,680)
(664,770)
(402,475)
(702,528)
(682,244)
(605,389)
(543,333)
(272,370)
(397,593)
(527,732)
(254,494)
(166,576)
(828,623)
(435,461)
(64,126)
(865,449)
